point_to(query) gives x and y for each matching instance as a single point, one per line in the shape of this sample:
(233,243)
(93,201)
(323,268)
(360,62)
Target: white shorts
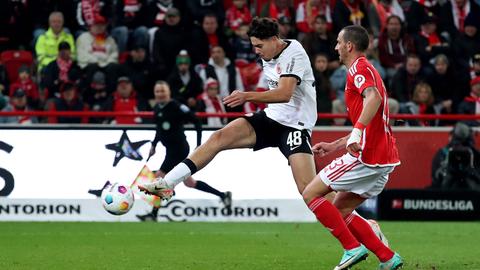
(347,173)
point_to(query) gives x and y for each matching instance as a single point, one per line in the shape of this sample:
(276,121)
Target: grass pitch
(424,245)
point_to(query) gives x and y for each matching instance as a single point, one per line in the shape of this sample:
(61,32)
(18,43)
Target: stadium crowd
(106,55)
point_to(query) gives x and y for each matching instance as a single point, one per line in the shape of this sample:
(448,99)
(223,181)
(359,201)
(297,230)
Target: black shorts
(176,152)
(270,133)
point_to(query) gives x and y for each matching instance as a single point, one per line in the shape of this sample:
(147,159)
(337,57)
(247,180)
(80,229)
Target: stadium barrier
(62,162)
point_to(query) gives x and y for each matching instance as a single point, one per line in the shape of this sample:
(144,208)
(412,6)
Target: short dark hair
(356,35)
(63,46)
(263,28)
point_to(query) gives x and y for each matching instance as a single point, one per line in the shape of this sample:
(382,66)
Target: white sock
(177,175)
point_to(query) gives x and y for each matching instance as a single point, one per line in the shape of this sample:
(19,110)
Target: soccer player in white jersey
(371,151)
(286,123)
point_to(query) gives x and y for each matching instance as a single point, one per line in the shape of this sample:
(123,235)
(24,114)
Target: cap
(19,93)
(64,46)
(183,58)
(461,131)
(98,78)
(429,17)
(210,83)
(283,20)
(123,79)
(172,12)
(475,81)
(23,68)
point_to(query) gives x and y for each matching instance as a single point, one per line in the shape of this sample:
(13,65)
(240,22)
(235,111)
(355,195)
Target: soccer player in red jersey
(371,156)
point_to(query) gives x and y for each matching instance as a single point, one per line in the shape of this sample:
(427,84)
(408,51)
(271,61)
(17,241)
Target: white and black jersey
(301,111)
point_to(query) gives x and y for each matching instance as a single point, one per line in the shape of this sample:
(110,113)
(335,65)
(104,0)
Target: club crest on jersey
(279,69)
(359,80)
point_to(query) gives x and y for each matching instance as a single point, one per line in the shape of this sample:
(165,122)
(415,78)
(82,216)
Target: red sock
(364,233)
(329,216)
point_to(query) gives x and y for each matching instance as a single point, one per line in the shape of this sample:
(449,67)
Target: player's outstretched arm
(282,94)
(324,148)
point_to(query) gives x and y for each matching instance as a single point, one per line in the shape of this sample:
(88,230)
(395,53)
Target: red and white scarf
(90,8)
(63,67)
(459,14)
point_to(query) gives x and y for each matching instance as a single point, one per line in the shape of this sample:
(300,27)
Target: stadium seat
(12,60)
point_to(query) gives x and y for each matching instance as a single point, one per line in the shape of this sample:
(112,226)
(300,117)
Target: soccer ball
(117,199)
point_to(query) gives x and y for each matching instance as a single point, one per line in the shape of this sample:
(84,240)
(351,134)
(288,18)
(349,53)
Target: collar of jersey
(288,44)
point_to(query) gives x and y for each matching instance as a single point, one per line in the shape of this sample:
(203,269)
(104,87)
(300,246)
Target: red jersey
(378,143)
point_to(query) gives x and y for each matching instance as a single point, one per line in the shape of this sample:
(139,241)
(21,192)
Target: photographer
(457,165)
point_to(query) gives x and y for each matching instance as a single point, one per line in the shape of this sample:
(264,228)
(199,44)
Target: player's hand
(353,142)
(236,98)
(323,148)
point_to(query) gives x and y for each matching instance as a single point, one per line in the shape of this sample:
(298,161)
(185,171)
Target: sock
(364,233)
(180,173)
(329,216)
(207,188)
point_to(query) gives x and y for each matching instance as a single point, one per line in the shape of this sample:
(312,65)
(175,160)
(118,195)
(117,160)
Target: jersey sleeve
(294,64)
(362,76)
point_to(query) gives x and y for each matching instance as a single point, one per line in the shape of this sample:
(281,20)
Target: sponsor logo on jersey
(272,84)
(359,80)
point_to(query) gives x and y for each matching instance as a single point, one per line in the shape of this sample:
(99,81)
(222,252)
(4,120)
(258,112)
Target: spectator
(467,44)
(242,46)
(421,103)
(211,102)
(204,38)
(414,11)
(471,104)
(308,12)
(125,99)
(323,88)
(140,70)
(184,82)
(453,14)
(87,13)
(157,12)
(428,42)
(15,25)
(224,71)
(445,85)
(46,47)
(68,100)
(285,28)
(130,24)
(237,15)
(320,41)
(26,83)
(18,103)
(95,95)
(457,165)
(167,43)
(379,11)
(406,78)
(64,69)
(277,9)
(96,50)
(198,9)
(349,12)
(393,46)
